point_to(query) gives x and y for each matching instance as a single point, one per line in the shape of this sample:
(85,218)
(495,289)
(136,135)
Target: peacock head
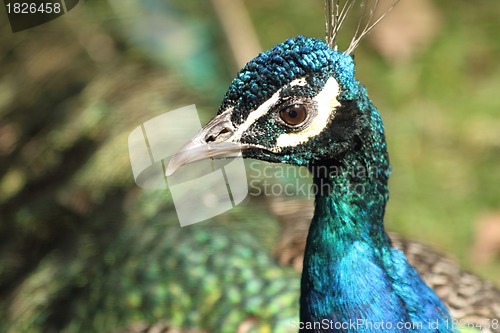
(298,103)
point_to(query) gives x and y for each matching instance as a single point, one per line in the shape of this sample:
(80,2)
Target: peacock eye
(294,115)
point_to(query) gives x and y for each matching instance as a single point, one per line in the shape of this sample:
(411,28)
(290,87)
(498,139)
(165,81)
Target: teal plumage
(350,270)
(352,279)
(154,270)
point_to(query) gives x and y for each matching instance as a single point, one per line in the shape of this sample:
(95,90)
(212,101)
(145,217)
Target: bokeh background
(75,230)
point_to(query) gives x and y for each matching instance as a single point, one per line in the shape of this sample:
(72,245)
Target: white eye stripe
(327,103)
(253,116)
(265,107)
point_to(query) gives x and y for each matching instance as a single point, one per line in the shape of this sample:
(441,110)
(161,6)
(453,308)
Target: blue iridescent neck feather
(351,273)
(350,269)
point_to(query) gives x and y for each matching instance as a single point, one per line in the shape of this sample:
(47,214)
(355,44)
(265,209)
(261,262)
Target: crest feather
(336,12)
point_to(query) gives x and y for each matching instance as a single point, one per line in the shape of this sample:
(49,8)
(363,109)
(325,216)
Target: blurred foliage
(72,90)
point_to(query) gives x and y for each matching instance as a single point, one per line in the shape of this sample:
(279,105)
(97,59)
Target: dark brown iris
(294,115)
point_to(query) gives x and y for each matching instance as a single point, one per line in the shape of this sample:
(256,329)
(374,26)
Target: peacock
(84,250)
(300,103)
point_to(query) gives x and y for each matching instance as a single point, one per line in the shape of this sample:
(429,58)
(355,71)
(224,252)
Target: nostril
(219,135)
(210,138)
(224,131)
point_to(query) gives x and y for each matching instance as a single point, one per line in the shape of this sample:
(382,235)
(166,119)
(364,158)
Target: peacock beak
(218,139)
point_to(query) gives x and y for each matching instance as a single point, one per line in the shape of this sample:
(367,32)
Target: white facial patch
(326,102)
(264,108)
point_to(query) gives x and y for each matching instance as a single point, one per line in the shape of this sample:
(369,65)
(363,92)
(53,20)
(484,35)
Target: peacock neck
(351,272)
(352,192)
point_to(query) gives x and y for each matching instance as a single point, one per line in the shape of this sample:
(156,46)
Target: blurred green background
(73,89)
